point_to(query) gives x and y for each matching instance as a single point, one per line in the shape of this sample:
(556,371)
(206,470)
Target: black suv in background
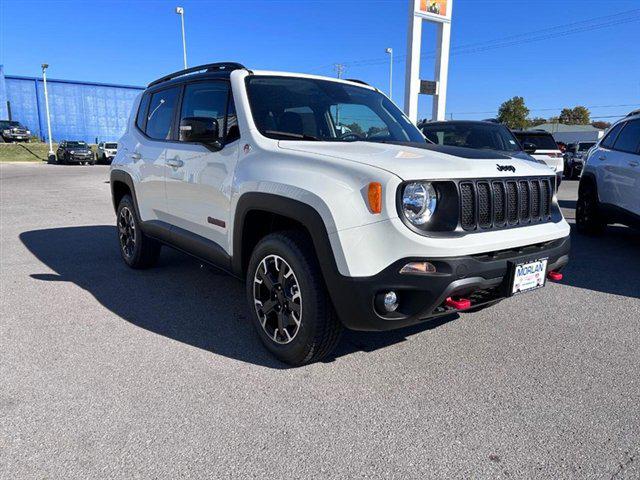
(75,152)
(11,131)
(475,134)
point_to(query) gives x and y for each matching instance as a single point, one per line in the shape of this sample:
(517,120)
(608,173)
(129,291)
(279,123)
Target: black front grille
(490,204)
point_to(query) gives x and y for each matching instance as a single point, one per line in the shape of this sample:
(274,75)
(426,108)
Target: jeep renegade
(329,203)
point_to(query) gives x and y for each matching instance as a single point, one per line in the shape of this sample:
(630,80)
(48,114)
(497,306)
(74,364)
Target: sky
(553,53)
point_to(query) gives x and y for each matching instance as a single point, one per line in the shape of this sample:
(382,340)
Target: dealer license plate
(529,276)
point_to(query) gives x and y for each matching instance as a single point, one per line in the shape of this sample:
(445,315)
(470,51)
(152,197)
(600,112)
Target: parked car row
(79,152)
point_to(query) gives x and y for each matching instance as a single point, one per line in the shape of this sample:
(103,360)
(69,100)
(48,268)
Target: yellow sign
(434,7)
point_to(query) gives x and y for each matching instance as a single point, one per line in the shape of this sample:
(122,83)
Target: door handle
(174,162)
(602,157)
(633,163)
(135,156)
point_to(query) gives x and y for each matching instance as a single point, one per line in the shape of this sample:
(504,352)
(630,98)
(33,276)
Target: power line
(512,40)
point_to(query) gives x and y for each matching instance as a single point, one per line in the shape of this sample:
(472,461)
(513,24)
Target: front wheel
(588,218)
(288,301)
(137,250)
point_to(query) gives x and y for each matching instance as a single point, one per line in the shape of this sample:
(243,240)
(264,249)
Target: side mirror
(200,129)
(529,147)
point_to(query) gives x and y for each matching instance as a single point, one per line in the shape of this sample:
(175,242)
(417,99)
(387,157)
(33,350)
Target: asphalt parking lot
(107,372)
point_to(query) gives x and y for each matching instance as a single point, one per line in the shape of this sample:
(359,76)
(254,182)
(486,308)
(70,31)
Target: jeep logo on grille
(506,168)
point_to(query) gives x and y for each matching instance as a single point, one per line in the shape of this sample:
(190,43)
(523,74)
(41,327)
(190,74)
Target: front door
(199,175)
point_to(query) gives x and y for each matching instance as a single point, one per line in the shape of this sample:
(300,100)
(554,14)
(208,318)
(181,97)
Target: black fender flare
(122,177)
(588,178)
(296,210)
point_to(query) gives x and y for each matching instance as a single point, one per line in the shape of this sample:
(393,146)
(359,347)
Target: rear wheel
(137,250)
(289,303)
(588,217)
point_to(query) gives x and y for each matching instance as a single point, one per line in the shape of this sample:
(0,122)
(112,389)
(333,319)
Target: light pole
(180,11)
(390,52)
(51,157)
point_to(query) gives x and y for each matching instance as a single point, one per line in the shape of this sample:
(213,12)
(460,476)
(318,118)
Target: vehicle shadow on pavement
(608,263)
(179,299)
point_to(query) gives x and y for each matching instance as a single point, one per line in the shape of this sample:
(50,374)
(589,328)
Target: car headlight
(28,132)
(419,202)
(72,152)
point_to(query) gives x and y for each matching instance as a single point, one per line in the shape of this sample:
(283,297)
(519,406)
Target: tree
(575,116)
(601,125)
(513,113)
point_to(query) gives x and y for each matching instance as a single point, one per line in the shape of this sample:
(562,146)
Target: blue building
(79,110)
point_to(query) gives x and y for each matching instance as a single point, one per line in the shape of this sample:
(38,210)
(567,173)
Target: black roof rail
(634,112)
(355,80)
(209,67)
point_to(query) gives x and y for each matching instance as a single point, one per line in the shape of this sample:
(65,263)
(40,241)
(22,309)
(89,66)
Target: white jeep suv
(609,189)
(329,203)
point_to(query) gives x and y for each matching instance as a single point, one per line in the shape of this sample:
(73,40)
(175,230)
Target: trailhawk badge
(506,168)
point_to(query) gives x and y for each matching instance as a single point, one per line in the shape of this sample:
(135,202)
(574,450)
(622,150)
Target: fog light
(418,268)
(390,301)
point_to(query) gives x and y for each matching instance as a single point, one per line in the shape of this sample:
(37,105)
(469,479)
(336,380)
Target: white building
(571,133)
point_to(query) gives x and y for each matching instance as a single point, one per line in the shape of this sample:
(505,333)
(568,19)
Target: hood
(423,161)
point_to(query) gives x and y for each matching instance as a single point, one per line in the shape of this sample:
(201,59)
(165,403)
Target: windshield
(76,144)
(472,135)
(583,147)
(541,141)
(290,108)
(111,146)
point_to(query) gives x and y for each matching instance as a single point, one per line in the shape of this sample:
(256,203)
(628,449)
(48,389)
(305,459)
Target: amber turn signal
(375,197)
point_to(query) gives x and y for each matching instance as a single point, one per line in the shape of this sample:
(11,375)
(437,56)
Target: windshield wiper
(300,136)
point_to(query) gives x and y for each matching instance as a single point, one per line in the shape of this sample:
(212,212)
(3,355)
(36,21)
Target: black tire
(588,217)
(317,330)
(137,250)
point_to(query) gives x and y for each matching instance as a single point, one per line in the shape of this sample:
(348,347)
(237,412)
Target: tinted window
(584,146)
(205,101)
(142,111)
(160,116)
(612,135)
(629,138)
(289,108)
(110,145)
(472,135)
(541,141)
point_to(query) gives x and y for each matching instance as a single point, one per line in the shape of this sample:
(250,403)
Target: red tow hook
(555,276)
(458,303)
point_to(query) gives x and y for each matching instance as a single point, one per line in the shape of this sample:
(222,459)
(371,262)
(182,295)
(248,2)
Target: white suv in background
(329,203)
(106,151)
(610,184)
(546,149)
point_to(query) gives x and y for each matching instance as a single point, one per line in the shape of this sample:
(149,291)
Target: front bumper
(80,158)
(484,279)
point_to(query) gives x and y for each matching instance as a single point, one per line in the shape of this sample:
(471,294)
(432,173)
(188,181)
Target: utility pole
(180,11)
(390,52)
(51,157)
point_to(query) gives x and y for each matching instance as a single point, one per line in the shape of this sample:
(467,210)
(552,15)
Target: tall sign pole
(438,12)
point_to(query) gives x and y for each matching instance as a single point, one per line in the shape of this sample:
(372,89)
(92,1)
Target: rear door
(627,165)
(155,120)
(199,177)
